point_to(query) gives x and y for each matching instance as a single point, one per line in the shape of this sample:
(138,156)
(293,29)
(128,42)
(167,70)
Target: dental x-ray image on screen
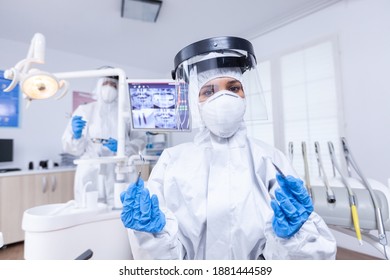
(158,105)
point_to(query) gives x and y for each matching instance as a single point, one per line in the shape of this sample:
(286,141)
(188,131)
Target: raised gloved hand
(140,211)
(78,125)
(111,144)
(292,206)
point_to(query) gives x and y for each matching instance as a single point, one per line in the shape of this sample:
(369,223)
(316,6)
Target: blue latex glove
(111,144)
(140,211)
(78,125)
(292,208)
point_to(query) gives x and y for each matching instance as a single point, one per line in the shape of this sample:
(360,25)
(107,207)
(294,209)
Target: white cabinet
(21,192)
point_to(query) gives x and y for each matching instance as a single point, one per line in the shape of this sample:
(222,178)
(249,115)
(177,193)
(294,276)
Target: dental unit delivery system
(352,198)
(378,214)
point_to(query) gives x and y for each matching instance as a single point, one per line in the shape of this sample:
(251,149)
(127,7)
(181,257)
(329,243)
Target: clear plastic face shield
(221,78)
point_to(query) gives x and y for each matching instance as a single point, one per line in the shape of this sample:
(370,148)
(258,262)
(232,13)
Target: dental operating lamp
(35,84)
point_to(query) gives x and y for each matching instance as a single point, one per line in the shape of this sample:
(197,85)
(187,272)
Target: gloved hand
(140,211)
(78,125)
(112,144)
(292,206)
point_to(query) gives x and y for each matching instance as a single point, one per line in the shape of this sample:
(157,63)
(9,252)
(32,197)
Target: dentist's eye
(205,93)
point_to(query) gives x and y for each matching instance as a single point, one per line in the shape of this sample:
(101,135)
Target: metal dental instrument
(143,162)
(352,198)
(138,177)
(279,171)
(99,140)
(378,214)
(306,166)
(329,192)
(281,174)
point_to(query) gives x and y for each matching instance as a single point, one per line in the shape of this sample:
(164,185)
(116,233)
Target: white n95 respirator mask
(222,113)
(109,94)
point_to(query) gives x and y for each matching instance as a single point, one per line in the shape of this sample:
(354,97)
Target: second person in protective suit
(216,197)
(92,133)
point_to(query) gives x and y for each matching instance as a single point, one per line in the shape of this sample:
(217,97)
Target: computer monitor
(6,150)
(159,105)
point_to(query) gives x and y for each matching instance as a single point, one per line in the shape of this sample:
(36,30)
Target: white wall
(38,136)
(362,29)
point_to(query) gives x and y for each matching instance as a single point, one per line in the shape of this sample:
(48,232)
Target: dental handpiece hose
(329,192)
(352,198)
(379,220)
(307,173)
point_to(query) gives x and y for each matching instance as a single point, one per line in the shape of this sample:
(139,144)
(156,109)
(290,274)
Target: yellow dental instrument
(352,202)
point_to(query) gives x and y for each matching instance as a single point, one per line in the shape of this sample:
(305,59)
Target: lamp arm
(11,74)
(64,86)
(36,52)
(21,66)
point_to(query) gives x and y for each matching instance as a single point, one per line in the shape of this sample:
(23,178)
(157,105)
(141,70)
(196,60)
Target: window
(305,104)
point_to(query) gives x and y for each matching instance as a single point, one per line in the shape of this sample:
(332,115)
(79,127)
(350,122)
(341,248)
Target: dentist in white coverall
(82,137)
(220,196)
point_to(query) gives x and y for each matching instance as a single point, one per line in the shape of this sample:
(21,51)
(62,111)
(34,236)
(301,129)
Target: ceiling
(95,28)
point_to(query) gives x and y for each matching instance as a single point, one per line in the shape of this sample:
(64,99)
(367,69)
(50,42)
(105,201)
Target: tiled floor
(15,252)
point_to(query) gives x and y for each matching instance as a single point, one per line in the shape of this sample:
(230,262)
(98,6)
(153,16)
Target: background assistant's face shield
(201,73)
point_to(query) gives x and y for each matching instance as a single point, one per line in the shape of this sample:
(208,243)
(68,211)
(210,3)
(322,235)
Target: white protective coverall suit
(214,194)
(101,119)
